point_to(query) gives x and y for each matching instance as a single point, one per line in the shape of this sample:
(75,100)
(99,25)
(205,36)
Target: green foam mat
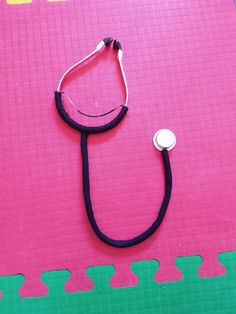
(191,294)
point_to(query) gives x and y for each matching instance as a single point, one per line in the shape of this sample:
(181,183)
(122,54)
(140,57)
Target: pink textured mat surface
(180,61)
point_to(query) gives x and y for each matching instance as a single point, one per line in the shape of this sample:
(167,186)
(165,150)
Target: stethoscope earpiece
(164,140)
(117,45)
(108,41)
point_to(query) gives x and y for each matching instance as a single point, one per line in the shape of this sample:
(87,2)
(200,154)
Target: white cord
(120,54)
(74,66)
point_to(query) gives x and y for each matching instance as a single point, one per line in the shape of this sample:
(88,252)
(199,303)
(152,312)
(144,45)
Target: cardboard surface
(179,58)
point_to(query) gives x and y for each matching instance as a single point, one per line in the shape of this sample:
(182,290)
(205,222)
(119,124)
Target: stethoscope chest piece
(164,139)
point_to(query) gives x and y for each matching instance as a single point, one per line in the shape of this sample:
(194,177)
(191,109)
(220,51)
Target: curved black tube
(86,189)
(83,128)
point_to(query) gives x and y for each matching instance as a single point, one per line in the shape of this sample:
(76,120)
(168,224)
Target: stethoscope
(164,140)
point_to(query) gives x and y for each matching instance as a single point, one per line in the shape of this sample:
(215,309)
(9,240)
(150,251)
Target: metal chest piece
(164,139)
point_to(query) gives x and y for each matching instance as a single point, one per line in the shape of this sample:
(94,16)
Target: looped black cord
(86,189)
(83,128)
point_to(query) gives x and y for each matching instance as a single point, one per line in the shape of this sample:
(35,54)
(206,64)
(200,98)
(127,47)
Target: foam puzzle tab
(191,294)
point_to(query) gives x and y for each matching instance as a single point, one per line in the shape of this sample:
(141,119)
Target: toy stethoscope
(164,140)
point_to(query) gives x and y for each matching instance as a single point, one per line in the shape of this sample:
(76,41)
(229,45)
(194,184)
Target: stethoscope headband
(123,108)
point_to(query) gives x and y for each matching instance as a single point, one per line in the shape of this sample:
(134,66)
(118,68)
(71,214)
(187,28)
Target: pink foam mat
(180,62)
